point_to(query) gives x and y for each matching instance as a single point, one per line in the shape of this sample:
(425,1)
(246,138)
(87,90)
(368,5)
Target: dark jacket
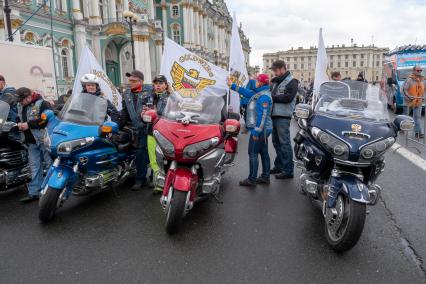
(290,91)
(125,119)
(36,123)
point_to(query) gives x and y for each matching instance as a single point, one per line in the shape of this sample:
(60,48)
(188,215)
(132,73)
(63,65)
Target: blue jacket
(251,85)
(263,107)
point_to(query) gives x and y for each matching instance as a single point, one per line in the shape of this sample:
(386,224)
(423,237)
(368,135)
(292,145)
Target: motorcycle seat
(123,141)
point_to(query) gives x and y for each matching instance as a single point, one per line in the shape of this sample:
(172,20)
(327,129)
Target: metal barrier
(414,136)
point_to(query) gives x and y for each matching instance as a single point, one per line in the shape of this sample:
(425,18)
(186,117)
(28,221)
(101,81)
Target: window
(377,78)
(354,64)
(302,58)
(295,66)
(362,63)
(176,33)
(331,57)
(338,57)
(331,65)
(64,61)
(175,11)
(354,56)
(288,59)
(346,64)
(338,64)
(346,56)
(377,63)
(362,56)
(302,66)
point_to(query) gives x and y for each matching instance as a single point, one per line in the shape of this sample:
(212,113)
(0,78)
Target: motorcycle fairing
(349,185)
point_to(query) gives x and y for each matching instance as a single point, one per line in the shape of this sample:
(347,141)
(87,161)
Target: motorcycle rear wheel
(47,204)
(175,212)
(347,234)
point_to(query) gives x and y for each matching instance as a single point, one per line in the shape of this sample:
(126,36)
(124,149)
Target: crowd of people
(267,106)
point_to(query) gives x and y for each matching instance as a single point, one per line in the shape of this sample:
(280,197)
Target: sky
(274,25)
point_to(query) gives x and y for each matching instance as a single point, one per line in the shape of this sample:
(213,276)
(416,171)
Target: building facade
(202,26)
(100,24)
(349,60)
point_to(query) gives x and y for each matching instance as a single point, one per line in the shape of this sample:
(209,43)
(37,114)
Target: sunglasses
(133,80)
(419,70)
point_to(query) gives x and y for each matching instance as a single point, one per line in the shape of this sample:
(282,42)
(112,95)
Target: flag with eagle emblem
(186,72)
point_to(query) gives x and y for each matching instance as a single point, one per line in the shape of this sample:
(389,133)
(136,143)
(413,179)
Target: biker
(160,95)
(91,85)
(336,76)
(7,94)
(134,100)
(30,107)
(259,123)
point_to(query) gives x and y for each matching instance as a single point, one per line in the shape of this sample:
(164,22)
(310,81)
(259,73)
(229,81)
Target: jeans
(39,159)
(254,149)
(282,145)
(142,159)
(417,116)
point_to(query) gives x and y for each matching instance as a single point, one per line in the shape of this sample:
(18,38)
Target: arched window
(175,11)
(65,66)
(176,33)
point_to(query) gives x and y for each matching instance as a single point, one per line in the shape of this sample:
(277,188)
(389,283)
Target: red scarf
(138,89)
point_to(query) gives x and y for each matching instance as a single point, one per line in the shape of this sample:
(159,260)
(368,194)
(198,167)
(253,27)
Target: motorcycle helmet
(89,78)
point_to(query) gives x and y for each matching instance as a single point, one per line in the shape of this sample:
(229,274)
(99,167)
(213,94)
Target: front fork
(60,177)
(182,179)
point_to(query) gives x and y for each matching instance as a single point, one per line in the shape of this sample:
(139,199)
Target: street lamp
(7,11)
(131,19)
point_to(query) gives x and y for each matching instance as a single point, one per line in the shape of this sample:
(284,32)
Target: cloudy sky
(274,25)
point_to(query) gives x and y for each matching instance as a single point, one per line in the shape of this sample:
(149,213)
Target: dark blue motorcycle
(91,153)
(340,148)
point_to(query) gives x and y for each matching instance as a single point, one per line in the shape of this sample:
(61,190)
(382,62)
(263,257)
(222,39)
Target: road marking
(413,158)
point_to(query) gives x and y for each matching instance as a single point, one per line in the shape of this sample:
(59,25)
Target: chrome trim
(349,163)
(337,137)
(371,142)
(356,133)
(106,161)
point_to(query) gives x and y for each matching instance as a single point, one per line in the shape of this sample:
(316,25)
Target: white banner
(186,70)
(321,65)
(237,66)
(89,64)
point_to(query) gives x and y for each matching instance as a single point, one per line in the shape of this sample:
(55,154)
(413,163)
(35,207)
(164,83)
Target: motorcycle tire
(175,212)
(47,204)
(353,220)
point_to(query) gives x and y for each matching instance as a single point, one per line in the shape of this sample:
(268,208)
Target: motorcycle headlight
(165,145)
(331,144)
(197,149)
(65,148)
(377,148)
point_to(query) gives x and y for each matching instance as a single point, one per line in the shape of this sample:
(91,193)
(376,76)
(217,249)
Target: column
(158,51)
(96,41)
(95,18)
(151,9)
(201,32)
(206,38)
(191,27)
(80,40)
(186,21)
(195,26)
(165,24)
(76,10)
(216,37)
(112,11)
(2,29)
(125,5)
(142,59)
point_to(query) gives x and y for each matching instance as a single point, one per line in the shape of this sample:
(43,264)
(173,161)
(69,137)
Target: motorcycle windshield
(4,112)
(351,100)
(194,106)
(85,109)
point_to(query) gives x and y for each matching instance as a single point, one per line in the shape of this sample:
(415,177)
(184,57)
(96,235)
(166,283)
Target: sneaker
(157,190)
(275,171)
(283,176)
(29,198)
(248,183)
(137,186)
(263,180)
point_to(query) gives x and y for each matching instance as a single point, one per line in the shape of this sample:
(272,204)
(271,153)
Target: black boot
(248,183)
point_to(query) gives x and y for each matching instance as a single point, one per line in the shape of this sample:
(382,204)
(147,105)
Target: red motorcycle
(195,146)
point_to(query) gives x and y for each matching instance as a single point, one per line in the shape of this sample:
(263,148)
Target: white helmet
(89,78)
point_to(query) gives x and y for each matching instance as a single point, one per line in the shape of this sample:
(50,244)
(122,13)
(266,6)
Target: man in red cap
(259,123)
(135,99)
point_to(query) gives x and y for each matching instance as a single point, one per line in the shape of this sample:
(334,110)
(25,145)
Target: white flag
(237,66)
(321,65)
(89,65)
(186,70)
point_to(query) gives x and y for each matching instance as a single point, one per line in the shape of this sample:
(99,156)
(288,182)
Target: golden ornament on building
(115,29)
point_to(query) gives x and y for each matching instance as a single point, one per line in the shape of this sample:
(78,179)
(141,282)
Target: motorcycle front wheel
(175,211)
(47,204)
(344,229)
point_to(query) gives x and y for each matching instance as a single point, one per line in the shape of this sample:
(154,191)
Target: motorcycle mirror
(403,123)
(47,115)
(149,116)
(232,126)
(303,111)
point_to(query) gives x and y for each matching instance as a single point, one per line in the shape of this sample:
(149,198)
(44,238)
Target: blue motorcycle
(340,148)
(91,154)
